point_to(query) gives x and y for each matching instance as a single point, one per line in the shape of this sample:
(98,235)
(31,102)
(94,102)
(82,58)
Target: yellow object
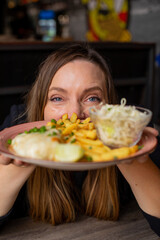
(92,134)
(67,122)
(69,129)
(50,124)
(133,149)
(116,154)
(65,116)
(87,120)
(90,142)
(59,121)
(107,20)
(90,126)
(73,118)
(68,152)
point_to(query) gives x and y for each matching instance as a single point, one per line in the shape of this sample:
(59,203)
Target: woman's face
(76,87)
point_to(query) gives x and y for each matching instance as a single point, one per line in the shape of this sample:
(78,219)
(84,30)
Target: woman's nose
(77,108)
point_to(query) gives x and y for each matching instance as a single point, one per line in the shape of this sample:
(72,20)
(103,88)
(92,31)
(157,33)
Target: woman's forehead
(81,71)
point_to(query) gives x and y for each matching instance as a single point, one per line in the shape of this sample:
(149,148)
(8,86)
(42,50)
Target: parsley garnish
(89,158)
(54,133)
(9,141)
(53,121)
(73,140)
(140,147)
(71,134)
(42,129)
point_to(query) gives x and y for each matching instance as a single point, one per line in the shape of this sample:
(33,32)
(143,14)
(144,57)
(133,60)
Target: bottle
(77,17)
(47,25)
(63,20)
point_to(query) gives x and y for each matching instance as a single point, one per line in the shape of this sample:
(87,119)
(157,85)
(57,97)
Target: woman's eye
(56,99)
(94,99)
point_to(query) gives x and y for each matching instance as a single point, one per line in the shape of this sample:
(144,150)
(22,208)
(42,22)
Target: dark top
(21,205)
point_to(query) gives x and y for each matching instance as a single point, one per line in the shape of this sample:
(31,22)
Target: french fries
(73,118)
(65,117)
(83,133)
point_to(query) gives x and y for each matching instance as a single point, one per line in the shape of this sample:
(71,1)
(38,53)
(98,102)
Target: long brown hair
(52,194)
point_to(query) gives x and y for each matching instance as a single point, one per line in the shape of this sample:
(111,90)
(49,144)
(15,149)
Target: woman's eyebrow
(84,92)
(92,89)
(57,89)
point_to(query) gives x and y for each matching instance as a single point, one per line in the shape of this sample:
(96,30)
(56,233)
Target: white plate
(148,140)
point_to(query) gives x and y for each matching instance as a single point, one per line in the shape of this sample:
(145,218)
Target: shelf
(129,82)
(13,90)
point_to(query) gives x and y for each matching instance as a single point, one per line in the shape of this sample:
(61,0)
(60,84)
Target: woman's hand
(146,131)
(13,174)
(5,161)
(143,158)
(152,130)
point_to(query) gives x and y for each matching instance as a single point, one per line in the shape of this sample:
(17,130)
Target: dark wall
(131,65)
(2,15)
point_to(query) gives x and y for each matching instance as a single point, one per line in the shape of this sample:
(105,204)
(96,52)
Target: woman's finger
(5,160)
(19,163)
(151,130)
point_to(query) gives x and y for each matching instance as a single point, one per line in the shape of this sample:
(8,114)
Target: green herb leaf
(9,141)
(42,129)
(71,134)
(89,158)
(53,121)
(73,140)
(54,134)
(140,147)
(35,129)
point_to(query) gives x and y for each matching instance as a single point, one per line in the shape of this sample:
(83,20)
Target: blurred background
(125,32)
(80,19)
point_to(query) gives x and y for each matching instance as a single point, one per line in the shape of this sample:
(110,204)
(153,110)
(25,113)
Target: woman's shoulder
(16,116)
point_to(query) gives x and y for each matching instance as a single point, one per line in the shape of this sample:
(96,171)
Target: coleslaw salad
(120,125)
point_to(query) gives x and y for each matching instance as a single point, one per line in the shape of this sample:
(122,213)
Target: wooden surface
(131,226)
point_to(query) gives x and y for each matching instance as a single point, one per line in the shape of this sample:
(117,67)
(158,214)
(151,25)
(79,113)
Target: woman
(72,80)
